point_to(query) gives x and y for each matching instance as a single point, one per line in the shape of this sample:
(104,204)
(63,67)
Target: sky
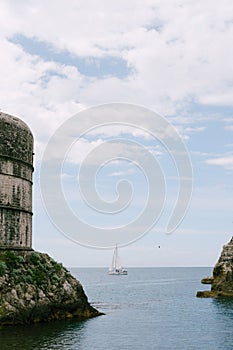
(171,57)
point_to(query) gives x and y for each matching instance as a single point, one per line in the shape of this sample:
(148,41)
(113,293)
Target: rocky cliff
(35,288)
(222,279)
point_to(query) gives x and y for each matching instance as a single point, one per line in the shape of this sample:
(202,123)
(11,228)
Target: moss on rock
(35,288)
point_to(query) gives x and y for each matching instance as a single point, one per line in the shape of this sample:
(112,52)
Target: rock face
(222,280)
(35,288)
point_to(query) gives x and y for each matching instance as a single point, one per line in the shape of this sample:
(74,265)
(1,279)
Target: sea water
(150,308)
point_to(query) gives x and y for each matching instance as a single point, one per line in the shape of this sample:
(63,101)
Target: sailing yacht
(116,268)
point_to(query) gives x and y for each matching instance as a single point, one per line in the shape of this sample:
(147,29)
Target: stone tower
(16,168)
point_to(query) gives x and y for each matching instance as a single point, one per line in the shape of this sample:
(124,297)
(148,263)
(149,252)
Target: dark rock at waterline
(205,294)
(207,280)
(222,279)
(35,288)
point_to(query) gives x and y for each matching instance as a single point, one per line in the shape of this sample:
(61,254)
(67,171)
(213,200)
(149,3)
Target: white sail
(116,268)
(113,266)
(118,262)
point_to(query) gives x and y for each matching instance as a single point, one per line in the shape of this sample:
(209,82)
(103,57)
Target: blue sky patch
(90,66)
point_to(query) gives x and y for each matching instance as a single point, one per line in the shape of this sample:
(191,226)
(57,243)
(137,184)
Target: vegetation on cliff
(35,288)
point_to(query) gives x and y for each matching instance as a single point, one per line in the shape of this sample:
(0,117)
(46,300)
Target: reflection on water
(225,306)
(223,317)
(53,335)
(224,310)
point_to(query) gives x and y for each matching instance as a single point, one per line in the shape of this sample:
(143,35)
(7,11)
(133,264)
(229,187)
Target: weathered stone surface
(222,279)
(35,288)
(16,168)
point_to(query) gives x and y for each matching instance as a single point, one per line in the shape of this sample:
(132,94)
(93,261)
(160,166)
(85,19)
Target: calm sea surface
(151,308)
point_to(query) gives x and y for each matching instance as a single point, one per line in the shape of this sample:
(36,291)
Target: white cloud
(195,129)
(127,172)
(200,154)
(185,132)
(225,98)
(177,51)
(224,161)
(81,151)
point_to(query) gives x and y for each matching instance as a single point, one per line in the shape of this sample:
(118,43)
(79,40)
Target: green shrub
(54,278)
(35,258)
(11,258)
(13,261)
(3,268)
(39,277)
(20,259)
(27,279)
(58,266)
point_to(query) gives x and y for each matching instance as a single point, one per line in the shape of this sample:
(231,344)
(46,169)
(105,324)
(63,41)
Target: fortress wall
(16,168)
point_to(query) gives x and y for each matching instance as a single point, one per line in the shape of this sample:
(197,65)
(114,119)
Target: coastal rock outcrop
(222,279)
(35,288)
